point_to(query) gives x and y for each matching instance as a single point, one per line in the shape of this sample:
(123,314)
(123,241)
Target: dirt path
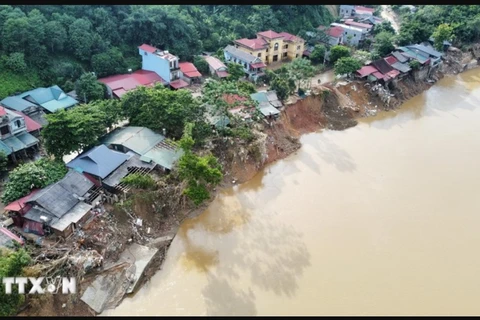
(389,15)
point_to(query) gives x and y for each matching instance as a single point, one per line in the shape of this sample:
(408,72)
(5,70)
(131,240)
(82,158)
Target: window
(4,130)
(275,47)
(18,123)
(259,55)
(298,47)
(296,56)
(354,34)
(145,53)
(267,50)
(250,53)
(284,54)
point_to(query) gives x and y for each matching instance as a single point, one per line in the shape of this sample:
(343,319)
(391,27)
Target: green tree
(383,44)
(201,65)
(32,175)
(385,26)
(109,63)
(347,65)
(81,39)
(414,64)
(138,180)
(73,130)
(318,53)
(337,52)
(56,36)
(88,88)
(444,32)
(16,62)
(247,87)
(362,56)
(200,173)
(301,71)
(111,110)
(11,265)
(235,71)
(161,108)
(283,86)
(3,162)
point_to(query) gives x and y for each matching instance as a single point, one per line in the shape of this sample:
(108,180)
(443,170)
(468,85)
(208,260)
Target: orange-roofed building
(271,46)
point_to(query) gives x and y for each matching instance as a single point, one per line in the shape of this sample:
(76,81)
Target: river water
(380,219)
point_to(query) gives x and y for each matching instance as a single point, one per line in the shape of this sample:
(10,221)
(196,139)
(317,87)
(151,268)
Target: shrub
(139,181)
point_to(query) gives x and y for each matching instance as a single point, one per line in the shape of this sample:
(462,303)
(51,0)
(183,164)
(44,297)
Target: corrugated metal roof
(259,96)
(137,139)
(14,144)
(55,199)
(17,103)
(165,154)
(6,149)
(7,238)
(400,57)
(27,139)
(366,70)
(73,216)
(267,109)
(99,161)
(426,49)
(215,63)
(240,54)
(76,183)
(51,99)
(134,161)
(403,67)
(20,204)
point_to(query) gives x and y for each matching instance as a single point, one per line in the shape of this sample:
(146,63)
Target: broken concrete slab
(99,293)
(140,256)
(160,240)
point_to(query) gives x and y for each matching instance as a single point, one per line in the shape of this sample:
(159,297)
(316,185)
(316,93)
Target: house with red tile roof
(271,46)
(333,35)
(364,26)
(216,67)
(189,72)
(119,85)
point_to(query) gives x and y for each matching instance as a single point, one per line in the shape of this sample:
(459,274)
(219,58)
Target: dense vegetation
(11,265)
(32,175)
(419,26)
(56,44)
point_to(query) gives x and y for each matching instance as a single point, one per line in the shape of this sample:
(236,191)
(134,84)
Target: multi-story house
(252,65)
(271,46)
(163,63)
(15,137)
(346,10)
(351,35)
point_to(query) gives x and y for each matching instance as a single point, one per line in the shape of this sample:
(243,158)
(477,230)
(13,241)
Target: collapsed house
(60,208)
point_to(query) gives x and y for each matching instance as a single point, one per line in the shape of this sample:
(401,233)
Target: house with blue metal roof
(40,100)
(98,163)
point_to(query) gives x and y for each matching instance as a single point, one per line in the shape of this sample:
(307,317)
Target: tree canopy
(104,38)
(200,173)
(32,175)
(337,52)
(444,32)
(383,44)
(12,264)
(160,108)
(347,65)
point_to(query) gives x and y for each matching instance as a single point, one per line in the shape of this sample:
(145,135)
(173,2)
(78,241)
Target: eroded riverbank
(370,220)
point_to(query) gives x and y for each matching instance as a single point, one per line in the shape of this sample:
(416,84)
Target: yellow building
(271,46)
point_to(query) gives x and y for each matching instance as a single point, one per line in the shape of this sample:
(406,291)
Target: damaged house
(59,208)
(106,167)
(149,146)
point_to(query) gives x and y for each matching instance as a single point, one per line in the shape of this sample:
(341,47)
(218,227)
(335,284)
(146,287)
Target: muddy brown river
(380,219)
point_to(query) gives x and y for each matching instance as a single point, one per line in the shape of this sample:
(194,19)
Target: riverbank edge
(197,211)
